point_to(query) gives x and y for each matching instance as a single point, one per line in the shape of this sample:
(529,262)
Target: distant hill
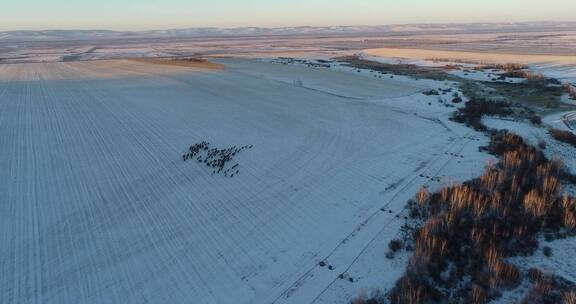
(281,31)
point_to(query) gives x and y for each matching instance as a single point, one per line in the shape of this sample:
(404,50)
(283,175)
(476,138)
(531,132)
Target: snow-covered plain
(97,205)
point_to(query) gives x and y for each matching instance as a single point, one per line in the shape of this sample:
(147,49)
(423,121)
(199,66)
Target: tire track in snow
(381,231)
(287,293)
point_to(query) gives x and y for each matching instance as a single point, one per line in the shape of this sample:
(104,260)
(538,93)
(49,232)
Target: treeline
(483,65)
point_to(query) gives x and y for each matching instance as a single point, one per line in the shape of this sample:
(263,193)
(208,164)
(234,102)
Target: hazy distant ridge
(258,31)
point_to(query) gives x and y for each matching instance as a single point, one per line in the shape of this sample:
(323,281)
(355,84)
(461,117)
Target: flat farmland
(98,206)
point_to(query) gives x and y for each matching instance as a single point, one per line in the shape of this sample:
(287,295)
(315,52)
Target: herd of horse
(218,159)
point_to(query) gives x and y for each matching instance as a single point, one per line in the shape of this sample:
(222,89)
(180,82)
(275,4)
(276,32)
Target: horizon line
(282,27)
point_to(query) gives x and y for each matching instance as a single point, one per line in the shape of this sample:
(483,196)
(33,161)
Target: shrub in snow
(475,109)
(395,245)
(535,119)
(564,136)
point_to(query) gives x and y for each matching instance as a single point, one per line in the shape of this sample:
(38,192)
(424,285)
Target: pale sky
(163,14)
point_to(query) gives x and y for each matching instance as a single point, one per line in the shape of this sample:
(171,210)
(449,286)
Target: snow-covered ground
(97,205)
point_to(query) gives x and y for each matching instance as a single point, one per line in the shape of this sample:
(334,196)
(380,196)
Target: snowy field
(97,205)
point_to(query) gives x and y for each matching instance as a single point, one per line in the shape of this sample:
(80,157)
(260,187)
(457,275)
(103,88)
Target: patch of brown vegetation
(482,65)
(528,75)
(197,63)
(410,70)
(471,228)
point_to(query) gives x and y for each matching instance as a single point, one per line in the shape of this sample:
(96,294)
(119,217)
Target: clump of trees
(509,67)
(460,250)
(534,77)
(528,75)
(476,108)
